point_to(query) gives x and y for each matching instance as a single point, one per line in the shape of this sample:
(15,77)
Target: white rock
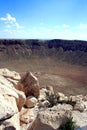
(7,88)
(30,102)
(8,106)
(10,74)
(52,118)
(81,119)
(12,123)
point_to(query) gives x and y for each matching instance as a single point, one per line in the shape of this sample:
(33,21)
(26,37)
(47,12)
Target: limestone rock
(26,115)
(10,74)
(52,118)
(81,102)
(7,88)
(81,119)
(27,118)
(43,95)
(79,106)
(61,96)
(30,102)
(12,123)
(8,106)
(29,85)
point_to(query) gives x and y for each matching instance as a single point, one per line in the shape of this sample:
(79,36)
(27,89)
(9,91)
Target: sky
(43,19)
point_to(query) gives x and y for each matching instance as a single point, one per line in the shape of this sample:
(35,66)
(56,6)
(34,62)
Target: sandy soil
(69,79)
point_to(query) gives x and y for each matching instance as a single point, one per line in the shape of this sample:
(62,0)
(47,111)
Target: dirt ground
(66,78)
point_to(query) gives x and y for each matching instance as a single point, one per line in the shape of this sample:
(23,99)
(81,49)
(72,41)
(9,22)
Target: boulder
(81,102)
(81,119)
(8,106)
(30,102)
(29,85)
(7,88)
(26,115)
(80,106)
(27,118)
(9,74)
(52,118)
(43,94)
(12,123)
(61,96)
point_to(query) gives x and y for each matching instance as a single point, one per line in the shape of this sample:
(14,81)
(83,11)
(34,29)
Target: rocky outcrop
(12,123)
(28,118)
(13,100)
(25,106)
(52,118)
(10,74)
(81,119)
(8,107)
(29,84)
(81,102)
(7,88)
(71,51)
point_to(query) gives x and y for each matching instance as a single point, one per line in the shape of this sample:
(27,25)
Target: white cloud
(8,18)
(66,26)
(82,26)
(10,21)
(13,30)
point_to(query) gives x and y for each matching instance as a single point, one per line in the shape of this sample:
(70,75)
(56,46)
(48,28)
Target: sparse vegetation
(69,125)
(68,102)
(53,99)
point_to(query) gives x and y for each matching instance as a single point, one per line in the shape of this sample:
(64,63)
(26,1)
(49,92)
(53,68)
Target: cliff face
(71,51)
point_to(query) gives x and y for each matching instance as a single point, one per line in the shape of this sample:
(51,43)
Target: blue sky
(43,19)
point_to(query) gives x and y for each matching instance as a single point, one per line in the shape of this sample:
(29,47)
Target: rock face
(7,88)
(12,123)
(10,74)
(28,118)
(36,109)
(29,85)
(8,107)
(52,118)
(13,100)
(71,51)
(81,119)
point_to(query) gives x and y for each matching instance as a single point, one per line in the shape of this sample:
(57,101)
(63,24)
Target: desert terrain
(67,73)
(69,79)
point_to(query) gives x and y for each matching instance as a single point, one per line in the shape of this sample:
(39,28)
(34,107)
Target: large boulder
(28,118)
(8,106)
(29,85)
(81,119)
(12,123)
(10,74)
(7,88)
(52,118)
